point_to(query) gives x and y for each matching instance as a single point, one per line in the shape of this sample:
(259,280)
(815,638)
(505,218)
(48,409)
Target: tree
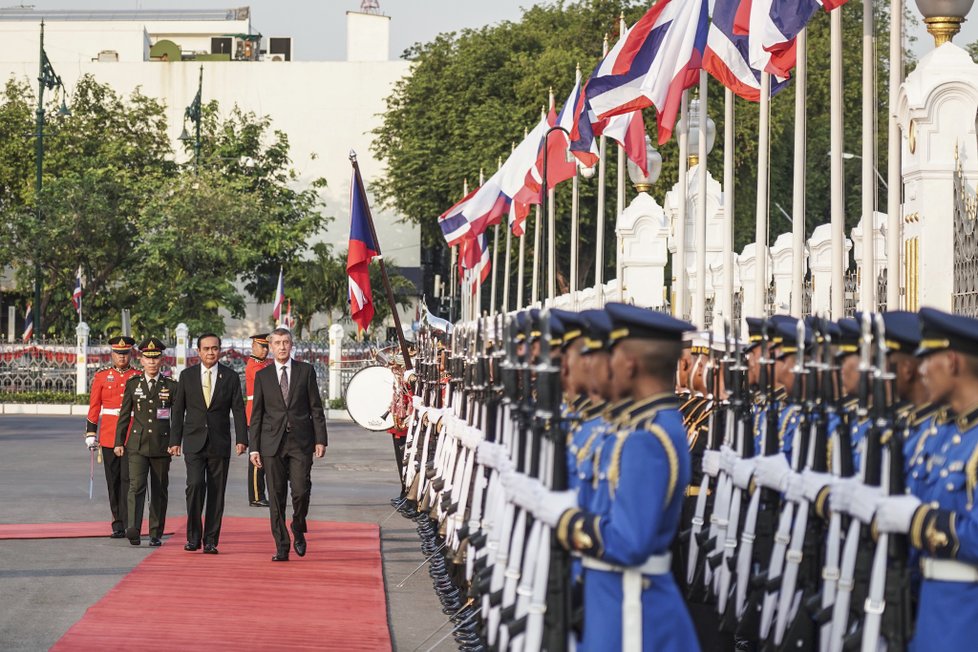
(472,93)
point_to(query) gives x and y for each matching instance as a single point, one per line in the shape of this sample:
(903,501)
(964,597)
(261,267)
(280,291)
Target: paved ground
(46,585)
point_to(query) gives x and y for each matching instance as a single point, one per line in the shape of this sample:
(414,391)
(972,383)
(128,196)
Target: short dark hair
(281,331)
(657,358)
(201,338)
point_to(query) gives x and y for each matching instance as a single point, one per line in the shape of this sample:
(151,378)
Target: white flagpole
(509,235)
(699,305)
(475,278)
(452,272)
(894,172)
(535,285)
(520,267)
(551,228)
(620,203)
(575,208)
(837,210)
(495,258)
(798,195)
(679,260)
(728,203)
(602,183)
(867,293)
(761,225)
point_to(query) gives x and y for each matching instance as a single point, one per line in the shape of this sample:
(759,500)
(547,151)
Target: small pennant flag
(28,324)
(76,296)
(279,298)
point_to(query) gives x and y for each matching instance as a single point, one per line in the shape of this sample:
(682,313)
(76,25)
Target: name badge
(163,413)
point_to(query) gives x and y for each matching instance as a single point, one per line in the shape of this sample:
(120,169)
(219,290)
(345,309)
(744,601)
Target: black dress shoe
(154,542)
(117,534)
(280,557)
(191,547)
(259,503)
(210,549)
(300,545)
(135,542)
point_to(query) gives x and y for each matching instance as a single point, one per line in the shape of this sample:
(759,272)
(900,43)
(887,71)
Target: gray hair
(282,331)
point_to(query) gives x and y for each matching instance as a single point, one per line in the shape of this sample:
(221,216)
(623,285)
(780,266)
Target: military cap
(260,338)
(755,330)
(573,325)
(699,342)
(521,318)
(942,331)
(556,331)
(121,344)
(787,331)
(849,335)
(632,321)
(597,326)
(534,317)
(902,331)
(775,334)
(151,348)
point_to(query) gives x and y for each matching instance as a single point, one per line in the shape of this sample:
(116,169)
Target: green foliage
(336,404)
(47,397)
(472,93)
(172,242)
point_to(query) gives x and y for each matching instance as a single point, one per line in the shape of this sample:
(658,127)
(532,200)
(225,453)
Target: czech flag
(362,250)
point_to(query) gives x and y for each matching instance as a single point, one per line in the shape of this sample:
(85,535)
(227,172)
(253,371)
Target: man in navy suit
(208,396)
(288,426)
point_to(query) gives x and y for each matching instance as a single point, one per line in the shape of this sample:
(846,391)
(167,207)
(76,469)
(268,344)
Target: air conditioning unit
(276,57)
(281,46)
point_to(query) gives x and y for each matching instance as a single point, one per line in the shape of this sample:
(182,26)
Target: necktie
(283,384)
(207,387)
(152,385)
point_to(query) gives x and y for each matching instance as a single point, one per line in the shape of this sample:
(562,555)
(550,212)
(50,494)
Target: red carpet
(75,530)
(331,599)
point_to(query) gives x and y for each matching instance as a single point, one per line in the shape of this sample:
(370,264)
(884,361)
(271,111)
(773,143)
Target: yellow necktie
(207,387)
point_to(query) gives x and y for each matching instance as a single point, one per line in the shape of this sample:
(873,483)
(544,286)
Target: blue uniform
(946,527)
(632,515)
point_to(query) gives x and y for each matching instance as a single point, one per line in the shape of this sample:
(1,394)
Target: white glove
(491,455)
(512,482)
(743,471)
(526,492)
(711,463)
(728,457)
(841,494)
(795,488)
(771,471)
(409,375)
(552,504)
(90,441)
(863,503)
(814,483)
(895,513)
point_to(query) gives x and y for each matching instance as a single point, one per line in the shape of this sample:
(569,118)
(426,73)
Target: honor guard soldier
(942,520)
(257,361)
(146,405)
(624,531)
(105,401)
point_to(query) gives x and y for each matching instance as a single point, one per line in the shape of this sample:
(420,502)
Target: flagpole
(495,258)
(894,177)
(867,293)
(509,232)
(383,266)
(534,294)
(620,197)
(602,183)
(798,194)
(520,269)
(575,201)
(679,260)
(551,245)
(728,204)
(837,209)
(699,305)
(761,224)
(451,283)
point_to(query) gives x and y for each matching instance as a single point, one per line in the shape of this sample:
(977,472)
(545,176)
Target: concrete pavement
(46,585)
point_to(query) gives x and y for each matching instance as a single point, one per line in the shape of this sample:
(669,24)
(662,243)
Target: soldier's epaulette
(134,378)
(923,413)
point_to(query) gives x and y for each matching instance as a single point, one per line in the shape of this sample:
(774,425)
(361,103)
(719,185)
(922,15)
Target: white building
(327,108)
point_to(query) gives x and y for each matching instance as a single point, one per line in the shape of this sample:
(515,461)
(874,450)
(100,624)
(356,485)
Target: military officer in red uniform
(258,361)
(105,400)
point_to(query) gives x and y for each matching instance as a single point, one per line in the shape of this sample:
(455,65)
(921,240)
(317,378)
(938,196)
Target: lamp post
(46,79)
(192,113)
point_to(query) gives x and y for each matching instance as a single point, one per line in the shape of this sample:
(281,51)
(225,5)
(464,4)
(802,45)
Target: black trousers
(157,470)
(256,483)
(399,443)
(289,468)
(117,483)
(207,479)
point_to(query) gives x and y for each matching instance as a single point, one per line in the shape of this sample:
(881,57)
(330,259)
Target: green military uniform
(146,403)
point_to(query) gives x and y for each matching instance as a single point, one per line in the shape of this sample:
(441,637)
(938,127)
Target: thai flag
(727,55)
(474,255)
(656,60)
(773,26)
(554,147)
(361,251)
(626,129)
(279,298)
(512,179)
(453,223)
(28,332)
(76,296)
(486,205)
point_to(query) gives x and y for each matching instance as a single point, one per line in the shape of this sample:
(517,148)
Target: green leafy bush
(65,398)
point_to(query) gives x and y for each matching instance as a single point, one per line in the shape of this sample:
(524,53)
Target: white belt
(948,570)
(631,589)
(112,412)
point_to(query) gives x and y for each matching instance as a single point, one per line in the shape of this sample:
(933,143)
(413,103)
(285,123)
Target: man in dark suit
(288,425)
(146,404)
(208,395)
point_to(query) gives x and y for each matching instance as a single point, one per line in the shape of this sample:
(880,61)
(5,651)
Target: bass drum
(368,398)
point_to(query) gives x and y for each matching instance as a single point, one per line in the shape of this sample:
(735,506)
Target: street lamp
(848,156)
(643,181)
(46,79)
(192,113)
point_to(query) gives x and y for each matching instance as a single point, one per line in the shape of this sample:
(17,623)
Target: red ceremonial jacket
(108,386)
